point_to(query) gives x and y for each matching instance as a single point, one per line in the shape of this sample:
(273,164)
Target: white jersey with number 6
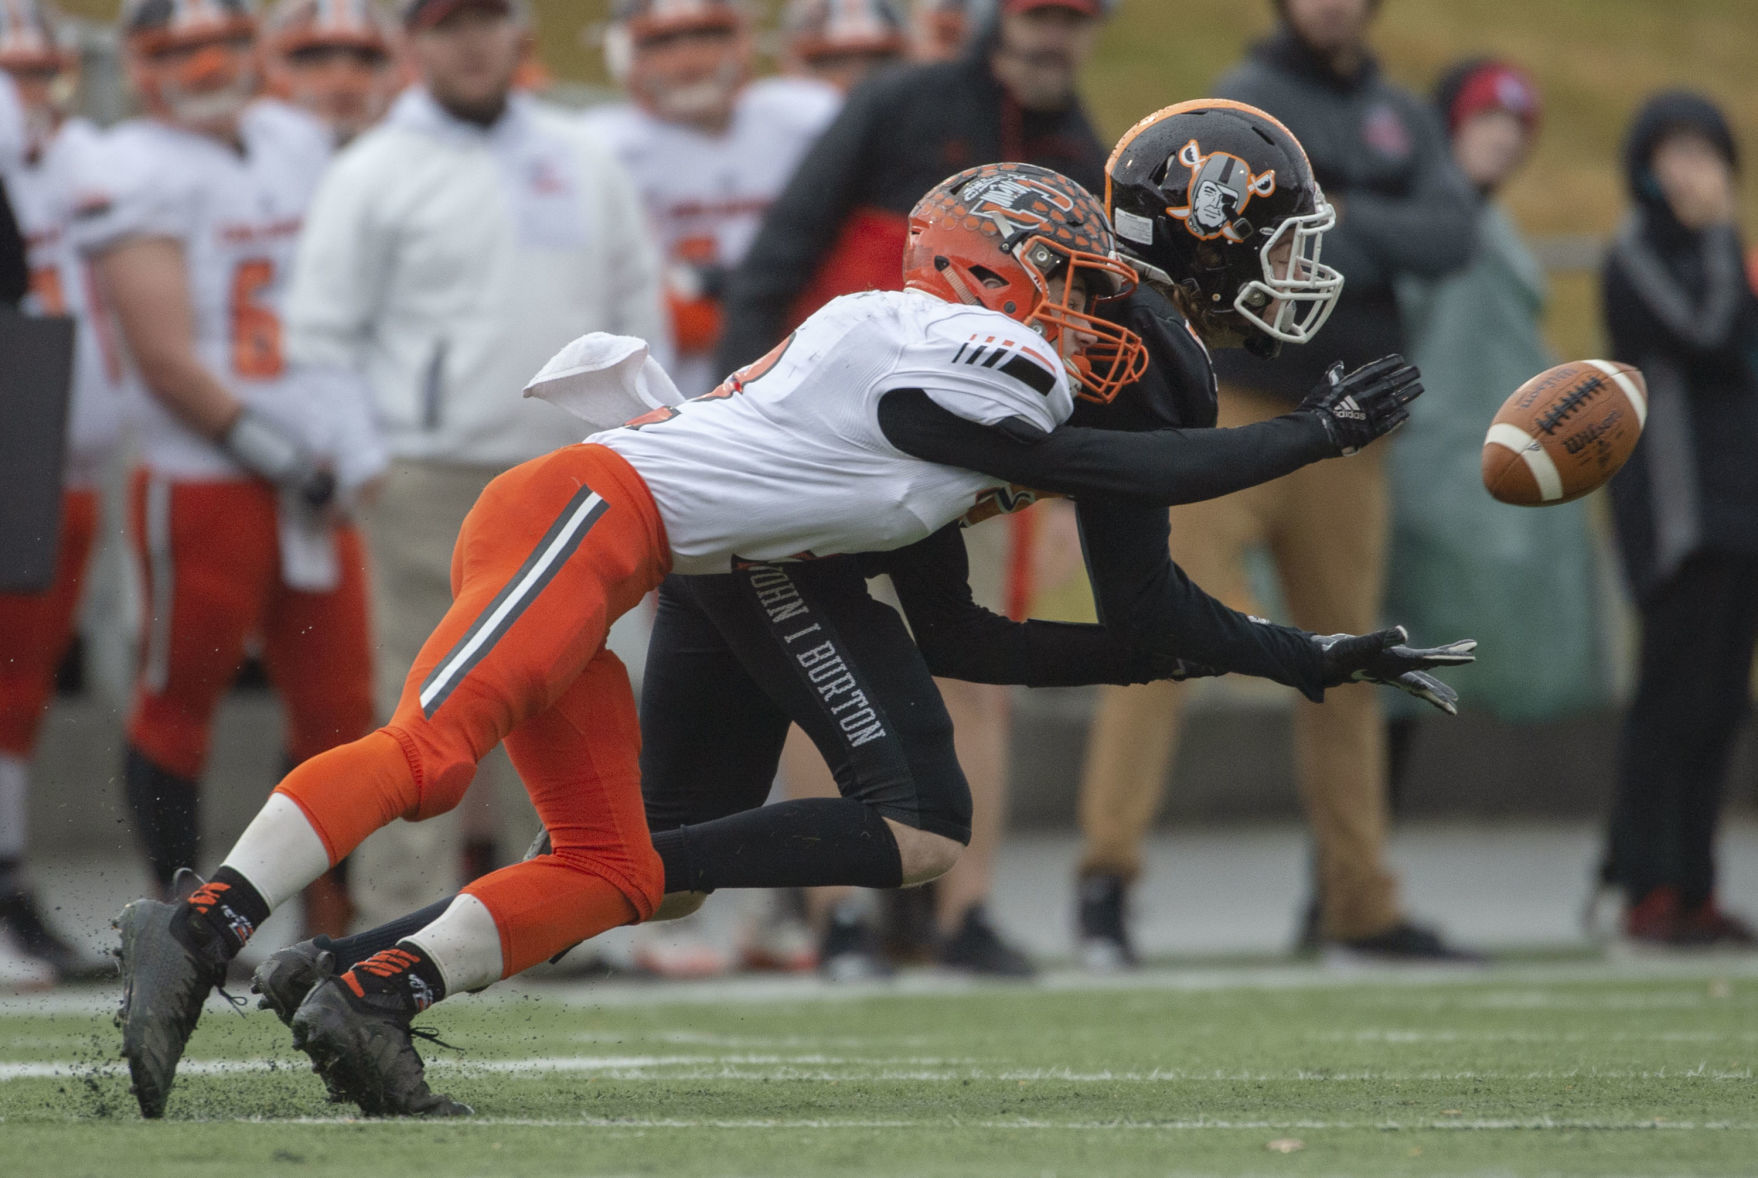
(787,459)
(236,213)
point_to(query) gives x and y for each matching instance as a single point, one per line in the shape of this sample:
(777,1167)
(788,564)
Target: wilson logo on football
(1221,186)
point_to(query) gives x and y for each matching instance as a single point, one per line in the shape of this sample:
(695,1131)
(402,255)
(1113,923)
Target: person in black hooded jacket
(1678,305)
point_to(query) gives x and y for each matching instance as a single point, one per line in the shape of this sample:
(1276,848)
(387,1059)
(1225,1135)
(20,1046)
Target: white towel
(604,380)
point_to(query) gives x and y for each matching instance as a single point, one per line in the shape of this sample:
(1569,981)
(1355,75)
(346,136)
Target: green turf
(1540,1069)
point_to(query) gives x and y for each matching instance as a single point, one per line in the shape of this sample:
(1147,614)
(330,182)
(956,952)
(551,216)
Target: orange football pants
(554,551)
(210,557)
(35,629)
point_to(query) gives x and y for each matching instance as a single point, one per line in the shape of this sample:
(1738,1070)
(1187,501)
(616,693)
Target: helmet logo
(1014,202)
(1221,185)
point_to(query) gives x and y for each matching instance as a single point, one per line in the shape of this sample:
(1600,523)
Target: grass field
(1579,1068)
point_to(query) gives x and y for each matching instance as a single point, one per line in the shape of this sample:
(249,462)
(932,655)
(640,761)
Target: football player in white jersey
(842,41)
(44,187)
(709,148)
(239,507)
(796,456)
(333,58)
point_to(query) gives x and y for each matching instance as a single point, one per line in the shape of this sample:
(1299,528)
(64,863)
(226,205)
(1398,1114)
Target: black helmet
(1201,195)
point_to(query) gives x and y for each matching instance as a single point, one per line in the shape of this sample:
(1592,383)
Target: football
(1564,433)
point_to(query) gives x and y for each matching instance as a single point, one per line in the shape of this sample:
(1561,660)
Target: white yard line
(1195,979)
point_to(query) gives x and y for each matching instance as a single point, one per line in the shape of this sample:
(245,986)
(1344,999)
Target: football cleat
(364,1049)
(168,963)
(1402,944)
(23,920)
(977,948)
(849,951)
(287,975)
(1105,945)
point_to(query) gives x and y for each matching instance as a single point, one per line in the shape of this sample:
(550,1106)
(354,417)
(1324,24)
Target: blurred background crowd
(280,274)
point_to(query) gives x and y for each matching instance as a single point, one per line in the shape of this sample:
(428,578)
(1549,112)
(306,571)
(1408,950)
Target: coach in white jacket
(449,252)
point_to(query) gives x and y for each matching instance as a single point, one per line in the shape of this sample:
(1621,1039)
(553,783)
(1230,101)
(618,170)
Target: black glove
(1366,404)
(1382,657)
(269,451)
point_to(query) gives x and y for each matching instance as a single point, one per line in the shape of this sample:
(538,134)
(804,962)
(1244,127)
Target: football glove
(270,452)
(1383,657)
(1365,404)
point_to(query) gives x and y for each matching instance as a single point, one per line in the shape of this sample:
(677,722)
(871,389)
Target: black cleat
(168,963)
(1402,944)
(977,948)
(287,975)
(1105,946)
(363,1048)
(849,950)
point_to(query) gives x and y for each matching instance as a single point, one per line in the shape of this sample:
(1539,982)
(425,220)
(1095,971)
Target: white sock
(13,810)
(279,852)
(465,943)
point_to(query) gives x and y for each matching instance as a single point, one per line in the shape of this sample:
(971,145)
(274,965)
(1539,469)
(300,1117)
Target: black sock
(806,843)
(352,950)
(167,815)
(404,972)
(230,907)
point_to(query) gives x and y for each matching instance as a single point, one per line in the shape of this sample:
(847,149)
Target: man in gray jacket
(1402,209)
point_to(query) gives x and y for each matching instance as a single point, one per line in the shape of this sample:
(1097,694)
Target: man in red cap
(840,227)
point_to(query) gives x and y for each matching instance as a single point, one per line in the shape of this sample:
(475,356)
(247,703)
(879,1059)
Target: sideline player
(768,467)
(35,628)
(709,150)
(333,59)
(842,42)
(239,507)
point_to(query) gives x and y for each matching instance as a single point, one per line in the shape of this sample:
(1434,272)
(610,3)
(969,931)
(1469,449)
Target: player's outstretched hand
(1384,657)
(1365,404)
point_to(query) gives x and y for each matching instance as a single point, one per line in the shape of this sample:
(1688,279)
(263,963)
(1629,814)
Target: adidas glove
(1382,657)
(269,451)
(1366,404)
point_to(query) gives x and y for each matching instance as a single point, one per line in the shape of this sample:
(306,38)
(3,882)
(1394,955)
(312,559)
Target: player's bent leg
(923,855)
(543,564)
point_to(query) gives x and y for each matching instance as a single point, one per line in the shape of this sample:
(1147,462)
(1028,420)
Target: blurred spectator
(1678,306)
(840,227)
(36,253)
(450,251)
(333,58)
(1460,562)
(1402,208)
(841,42)
(248,469)
(941,29)
(709,150)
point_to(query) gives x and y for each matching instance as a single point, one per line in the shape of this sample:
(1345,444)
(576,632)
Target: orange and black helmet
(1001,236)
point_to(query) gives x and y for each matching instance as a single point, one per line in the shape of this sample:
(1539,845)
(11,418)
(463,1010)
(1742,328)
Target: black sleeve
(959,639)
(797,231)
(1148,603)
(15,279)
(1163,466)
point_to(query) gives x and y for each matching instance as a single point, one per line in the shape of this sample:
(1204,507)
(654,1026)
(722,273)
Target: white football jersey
(45,193)
(788,462)
(706,194)
(237,215)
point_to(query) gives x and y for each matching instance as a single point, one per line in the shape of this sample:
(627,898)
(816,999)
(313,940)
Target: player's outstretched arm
(1163,466)
(1385,657)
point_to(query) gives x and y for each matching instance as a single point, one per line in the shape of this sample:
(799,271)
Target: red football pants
(35,629)
(554,551)
(211,561)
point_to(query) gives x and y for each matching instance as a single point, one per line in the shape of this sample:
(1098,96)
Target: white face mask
(1296,294)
